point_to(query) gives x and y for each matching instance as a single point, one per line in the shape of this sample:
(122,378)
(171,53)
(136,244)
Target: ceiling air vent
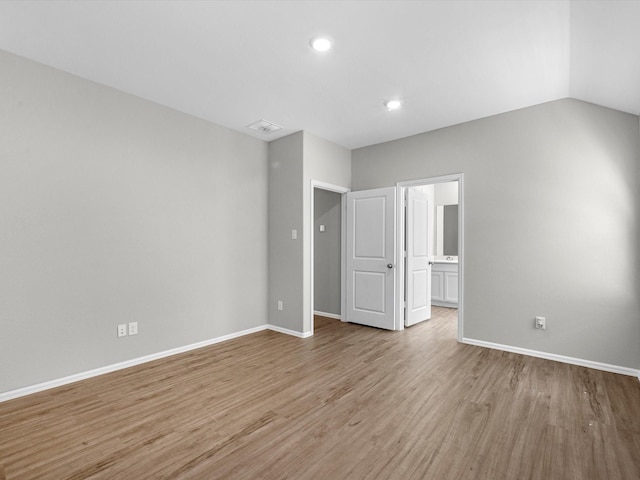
(264,127)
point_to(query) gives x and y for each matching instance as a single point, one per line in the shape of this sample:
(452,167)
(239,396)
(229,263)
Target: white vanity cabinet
(444,284)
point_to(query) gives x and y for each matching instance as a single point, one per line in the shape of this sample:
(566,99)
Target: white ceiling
(235,62)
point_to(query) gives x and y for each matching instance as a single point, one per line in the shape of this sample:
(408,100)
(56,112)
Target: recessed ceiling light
(393,104)
(320,44)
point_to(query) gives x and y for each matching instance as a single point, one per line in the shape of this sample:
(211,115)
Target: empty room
(320,239)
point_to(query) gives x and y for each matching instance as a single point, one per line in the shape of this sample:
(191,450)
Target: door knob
(389,265)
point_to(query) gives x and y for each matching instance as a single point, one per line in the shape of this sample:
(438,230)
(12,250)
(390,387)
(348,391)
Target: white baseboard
(558,358)
(58,382)
(21,392)
(289,332)
(328,315)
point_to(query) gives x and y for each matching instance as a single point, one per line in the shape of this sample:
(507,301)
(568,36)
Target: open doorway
(446,244)
(327,244)
(395,267)
(327,221)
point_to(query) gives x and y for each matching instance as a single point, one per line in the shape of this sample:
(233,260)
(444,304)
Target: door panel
(370,226)
(418,233)
(420,284)
(437,286)
(369,291)
(370,250)
(451,280)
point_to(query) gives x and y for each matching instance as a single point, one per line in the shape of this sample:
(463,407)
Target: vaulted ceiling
(235,62)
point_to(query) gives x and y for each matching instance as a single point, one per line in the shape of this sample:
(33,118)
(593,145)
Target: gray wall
(326,162)
(112,210)
(326,250)
(285,214)
(551,223)
(295,161)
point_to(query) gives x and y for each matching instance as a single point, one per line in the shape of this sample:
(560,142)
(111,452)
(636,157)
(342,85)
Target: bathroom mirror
(447,230)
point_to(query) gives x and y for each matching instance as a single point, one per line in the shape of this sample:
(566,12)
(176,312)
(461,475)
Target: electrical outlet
(294,234)
(122,330)
(541,323)
(280,305)
(133,328)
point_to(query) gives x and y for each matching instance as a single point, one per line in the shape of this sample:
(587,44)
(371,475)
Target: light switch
(322,228)
(294,234)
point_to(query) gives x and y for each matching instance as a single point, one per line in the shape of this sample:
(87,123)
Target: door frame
(400,271)
(342,191)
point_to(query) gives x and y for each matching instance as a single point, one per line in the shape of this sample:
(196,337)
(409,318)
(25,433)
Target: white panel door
(370,257)
(418,265)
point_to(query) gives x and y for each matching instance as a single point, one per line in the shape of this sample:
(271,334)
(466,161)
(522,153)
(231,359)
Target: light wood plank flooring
(349,403)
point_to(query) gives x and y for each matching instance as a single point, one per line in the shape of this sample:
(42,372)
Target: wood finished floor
(349,403)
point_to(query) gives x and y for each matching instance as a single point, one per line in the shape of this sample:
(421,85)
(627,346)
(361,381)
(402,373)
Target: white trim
(400,274)
(557,358)
(400,191)
(328,315)
(341,190)
(58,382)
(286,331)
(343,260)
(329,186)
